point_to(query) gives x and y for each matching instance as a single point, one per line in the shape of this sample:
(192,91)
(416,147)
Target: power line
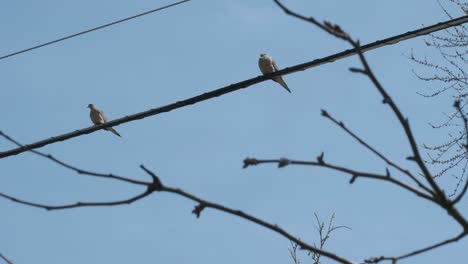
(239,85)
(92,29)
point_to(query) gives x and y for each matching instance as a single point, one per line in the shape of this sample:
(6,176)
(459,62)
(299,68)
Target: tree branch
(403,121)
(354,174)
(376,152)
(465,122)
(202,204)
(77,204)
(157,186)
(440,197)
(5,259)
(324,235)
(73,168)
(416,252)
(150,186)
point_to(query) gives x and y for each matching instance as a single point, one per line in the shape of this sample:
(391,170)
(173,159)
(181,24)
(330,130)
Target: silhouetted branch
(435,195)
(373,150)
(336,31)
(438,196)
(353,173)
(150,185)
(465,122)
(416,252)
(157,186)
(5,259)
(73,168)
(324,235)
(203,204)
(77,204)
(243,84)
(293,253)
(448,72)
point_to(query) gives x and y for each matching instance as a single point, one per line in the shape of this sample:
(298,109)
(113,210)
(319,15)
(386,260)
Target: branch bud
(249,161)
(320,158)
(198,209)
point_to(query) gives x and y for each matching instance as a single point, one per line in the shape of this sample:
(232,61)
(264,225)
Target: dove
(98,118)
(268,65)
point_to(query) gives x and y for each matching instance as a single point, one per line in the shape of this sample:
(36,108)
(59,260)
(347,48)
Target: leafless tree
(421,183)
(447,77)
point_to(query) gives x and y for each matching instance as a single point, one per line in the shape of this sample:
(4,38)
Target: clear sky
(184,51)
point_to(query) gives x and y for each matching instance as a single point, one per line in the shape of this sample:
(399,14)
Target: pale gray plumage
(268,65)
(98,118)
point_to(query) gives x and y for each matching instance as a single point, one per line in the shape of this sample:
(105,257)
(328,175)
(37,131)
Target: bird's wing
(275,66)
(101,116)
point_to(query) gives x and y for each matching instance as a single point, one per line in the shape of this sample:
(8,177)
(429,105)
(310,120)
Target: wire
(237,86)
(92,29)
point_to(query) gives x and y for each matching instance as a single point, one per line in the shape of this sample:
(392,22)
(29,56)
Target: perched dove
(268,65)
(98,118)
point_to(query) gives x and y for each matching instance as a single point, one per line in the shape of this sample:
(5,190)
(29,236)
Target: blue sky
(185,51)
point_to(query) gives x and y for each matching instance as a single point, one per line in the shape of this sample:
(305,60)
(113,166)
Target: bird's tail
(281,81)
(113,131)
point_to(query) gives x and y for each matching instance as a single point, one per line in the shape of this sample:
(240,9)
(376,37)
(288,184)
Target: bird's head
(91,106)
(263,55)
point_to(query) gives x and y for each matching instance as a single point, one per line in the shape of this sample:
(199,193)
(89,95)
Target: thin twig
(417,252)
(354,173)
(324,235)
(74,168)
(465,122)
(373,150)
(5,259)
(77,204)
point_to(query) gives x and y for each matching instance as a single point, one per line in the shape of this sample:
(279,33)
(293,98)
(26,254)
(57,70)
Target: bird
(98,118)
(268,65)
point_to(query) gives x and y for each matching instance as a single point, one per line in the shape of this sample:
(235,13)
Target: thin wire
(92,29)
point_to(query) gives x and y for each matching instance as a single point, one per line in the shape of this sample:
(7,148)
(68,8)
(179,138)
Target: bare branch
(293,253)
(439,196)
(150,186)
(202,204)
(386,98)
(272,227)
(5,259)
(404,123)
(157,186)
(77,204)
(354,174)
(416,252)
(373,150)
(326,26)
(324,235)
(449,72)
(73,168)
(465,122)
